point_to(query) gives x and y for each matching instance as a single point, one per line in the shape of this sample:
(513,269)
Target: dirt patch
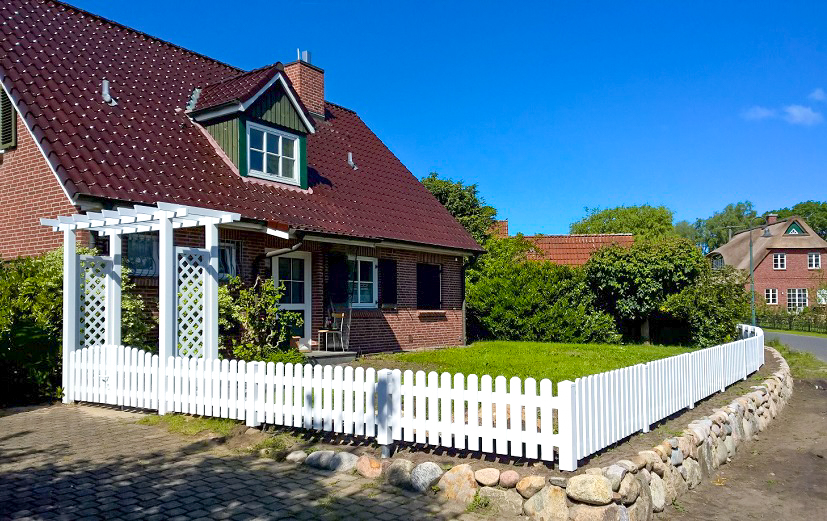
(781,475)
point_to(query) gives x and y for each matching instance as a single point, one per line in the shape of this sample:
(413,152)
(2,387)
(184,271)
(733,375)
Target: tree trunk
(644,331)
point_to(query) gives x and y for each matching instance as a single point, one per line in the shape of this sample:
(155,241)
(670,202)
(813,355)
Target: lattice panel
(92,313)
(192,273)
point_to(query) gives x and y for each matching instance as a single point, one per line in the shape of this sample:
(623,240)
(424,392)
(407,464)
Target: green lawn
(791,332)
(538,360)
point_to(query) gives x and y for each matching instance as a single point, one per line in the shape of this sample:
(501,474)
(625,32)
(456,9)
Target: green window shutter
(8,123)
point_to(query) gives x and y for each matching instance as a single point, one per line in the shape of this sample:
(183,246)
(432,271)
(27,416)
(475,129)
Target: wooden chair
(336,330)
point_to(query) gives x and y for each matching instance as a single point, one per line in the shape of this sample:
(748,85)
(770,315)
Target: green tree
(463,202)
(686,230)
(631,284)
(645,222)
(510,297)
(814,212)
(716,230)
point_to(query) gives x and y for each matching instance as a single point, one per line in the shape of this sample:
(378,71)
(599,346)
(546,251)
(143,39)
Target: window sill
(431,312)
(274,178)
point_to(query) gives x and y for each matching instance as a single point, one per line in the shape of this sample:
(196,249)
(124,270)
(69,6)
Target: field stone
(615,474)
(705,459)
(691,472)
(629,489)
(641,510)
(424,475)
(721,452)
(650,456)
(319,459)
(369,467)
(343,462)
(630,466)
(458,484)
(530,485)
(729,443)
(297,456)
(557,481)
(549,504)
(507,502)
(675,485)
(591,489)
(487,477)
(399,473)
(676,458)
(509,479)
(658,491)
(606,513)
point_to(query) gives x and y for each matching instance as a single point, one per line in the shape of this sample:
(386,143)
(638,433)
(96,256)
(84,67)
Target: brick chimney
(772,218)
(308,80)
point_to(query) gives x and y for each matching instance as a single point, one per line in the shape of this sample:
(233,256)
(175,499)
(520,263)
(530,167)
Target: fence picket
(420,423)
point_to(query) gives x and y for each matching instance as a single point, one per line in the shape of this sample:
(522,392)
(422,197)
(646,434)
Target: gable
(276,108)
(795,229)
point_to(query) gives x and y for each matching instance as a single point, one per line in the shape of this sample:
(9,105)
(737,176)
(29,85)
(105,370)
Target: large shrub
(509,297)
(252,326)
(31,318)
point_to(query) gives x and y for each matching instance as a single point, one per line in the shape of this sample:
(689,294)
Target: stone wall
(628,490)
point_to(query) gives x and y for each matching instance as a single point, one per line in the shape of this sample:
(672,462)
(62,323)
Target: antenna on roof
(350,161)
(302,56)
(107,98)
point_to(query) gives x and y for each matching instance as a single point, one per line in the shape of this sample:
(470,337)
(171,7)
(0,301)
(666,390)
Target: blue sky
(554,106)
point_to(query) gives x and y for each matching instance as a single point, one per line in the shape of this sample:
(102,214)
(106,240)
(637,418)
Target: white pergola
(106,273)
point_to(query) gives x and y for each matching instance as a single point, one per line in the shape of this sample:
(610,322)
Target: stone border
(628,490)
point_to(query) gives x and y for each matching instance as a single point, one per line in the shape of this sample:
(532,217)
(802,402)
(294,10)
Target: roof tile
(573,250)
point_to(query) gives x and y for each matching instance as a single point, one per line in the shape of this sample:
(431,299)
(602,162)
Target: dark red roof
(240,87)
(145,149)
(573,250)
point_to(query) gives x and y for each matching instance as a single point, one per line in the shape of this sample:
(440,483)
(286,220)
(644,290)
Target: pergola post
(211,293)
(70,308)
(113,288)
(166,304)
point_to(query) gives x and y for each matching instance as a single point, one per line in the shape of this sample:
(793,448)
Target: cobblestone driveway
(83,462)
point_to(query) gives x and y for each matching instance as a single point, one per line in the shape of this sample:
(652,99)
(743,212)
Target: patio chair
(337,330)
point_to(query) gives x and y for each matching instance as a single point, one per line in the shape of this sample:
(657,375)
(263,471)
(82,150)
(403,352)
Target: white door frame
(307,307)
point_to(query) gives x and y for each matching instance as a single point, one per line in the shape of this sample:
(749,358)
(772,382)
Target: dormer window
(272,154)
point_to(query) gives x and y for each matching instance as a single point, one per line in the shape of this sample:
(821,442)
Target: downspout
(282,251)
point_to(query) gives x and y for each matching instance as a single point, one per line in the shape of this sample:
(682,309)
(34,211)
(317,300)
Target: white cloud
(757,113)
(818,95)
(801,115)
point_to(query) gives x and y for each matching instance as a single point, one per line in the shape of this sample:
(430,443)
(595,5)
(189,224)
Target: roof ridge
(136,31)
(241,75)
(581,235)
(341,107)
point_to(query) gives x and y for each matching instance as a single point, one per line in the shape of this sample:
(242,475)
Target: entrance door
(293,269)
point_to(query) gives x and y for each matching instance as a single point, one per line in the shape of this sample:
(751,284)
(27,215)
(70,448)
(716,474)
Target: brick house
(568,250)
(97,116)
(787,259)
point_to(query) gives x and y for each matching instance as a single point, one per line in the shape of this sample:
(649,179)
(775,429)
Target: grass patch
(802,364)
(538,360)
(190,425)
(478,504)
(276,447)
(800,333)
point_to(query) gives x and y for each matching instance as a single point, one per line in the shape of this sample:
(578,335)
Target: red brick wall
(797,275)
(28,191)
(308,80)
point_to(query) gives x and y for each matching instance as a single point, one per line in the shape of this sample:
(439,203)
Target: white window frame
(235,248)
(814,261)
(771,296)
(307,305)
(717,262)
(153,269)
(295,180)
(779,261)
(799,303)
(355,295)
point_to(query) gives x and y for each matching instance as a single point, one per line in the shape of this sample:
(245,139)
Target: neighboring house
(788,259)
(568,250)
(95,116)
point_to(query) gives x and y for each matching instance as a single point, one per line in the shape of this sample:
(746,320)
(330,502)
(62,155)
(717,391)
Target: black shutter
(387,281)
(337,278)
(8,123)
(428,286)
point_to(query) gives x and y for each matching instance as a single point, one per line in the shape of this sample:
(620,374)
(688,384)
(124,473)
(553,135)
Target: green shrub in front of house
(251,324)
(510,297)
(31,318)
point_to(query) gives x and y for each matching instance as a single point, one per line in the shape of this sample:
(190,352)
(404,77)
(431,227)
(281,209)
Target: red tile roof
(145,149)
(240,87)
(573,250)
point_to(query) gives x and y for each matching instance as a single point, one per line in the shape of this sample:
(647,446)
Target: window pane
(273,143)
(366,271)
(366,293)
(286,297)
(298,269)
(298,330)
(353,289)
(284,268)
(287,167)
(287,147)
(256,161)
(297,290)
(256,139)
(272,164)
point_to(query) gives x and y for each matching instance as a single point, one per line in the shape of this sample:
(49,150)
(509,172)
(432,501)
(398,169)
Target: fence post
(383,436)
(644,398)
(250,394)
(567,449)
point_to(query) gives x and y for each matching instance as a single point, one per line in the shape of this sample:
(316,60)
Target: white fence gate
(515,417)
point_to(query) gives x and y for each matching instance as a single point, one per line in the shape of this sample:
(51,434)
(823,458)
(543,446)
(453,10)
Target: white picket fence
(516,418)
